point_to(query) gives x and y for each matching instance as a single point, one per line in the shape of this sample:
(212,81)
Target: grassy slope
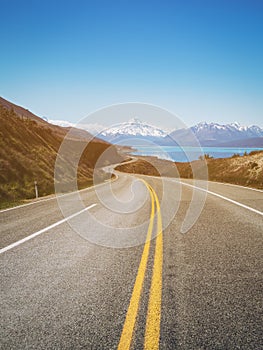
(244,170)
(28,151)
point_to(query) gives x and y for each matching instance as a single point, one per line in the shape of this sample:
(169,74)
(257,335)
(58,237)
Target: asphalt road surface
(84,273)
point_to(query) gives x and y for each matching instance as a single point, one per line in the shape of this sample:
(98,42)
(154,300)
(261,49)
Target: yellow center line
(127,332)
(153,322)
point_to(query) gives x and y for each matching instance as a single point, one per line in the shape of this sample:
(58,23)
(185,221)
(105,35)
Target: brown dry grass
(243,170)
(28,152)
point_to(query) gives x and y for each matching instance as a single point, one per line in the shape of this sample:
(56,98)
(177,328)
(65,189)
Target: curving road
(90,278)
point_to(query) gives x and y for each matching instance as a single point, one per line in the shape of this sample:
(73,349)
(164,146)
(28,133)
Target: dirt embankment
(244,170)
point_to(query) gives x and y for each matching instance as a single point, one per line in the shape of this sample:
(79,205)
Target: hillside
(20,111)
(28,150)
(58,130)
(244,170)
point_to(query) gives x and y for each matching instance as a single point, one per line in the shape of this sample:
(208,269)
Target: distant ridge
(217,135)
(203,133)
(207,134)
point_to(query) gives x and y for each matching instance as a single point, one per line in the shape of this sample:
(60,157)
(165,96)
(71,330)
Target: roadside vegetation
(246,170)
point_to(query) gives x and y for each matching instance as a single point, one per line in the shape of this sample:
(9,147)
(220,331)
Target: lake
(186,154)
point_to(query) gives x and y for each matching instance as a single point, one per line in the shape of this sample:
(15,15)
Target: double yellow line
(153,321)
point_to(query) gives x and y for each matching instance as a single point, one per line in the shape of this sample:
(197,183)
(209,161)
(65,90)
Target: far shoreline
(176,153)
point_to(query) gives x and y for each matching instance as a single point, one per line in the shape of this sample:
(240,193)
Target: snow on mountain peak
(215,131)
(232,126)
(135,120)
(134,127)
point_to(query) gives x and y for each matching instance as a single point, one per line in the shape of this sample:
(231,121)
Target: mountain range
(207,134)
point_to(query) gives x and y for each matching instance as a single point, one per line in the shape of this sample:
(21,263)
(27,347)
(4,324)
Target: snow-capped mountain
(134,128)
(207,134)
(214,134)
(240,130)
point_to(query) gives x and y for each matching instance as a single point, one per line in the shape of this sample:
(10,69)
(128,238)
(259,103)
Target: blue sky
(202,60)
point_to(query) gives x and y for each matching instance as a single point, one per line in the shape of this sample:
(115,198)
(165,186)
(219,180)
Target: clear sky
(202,60)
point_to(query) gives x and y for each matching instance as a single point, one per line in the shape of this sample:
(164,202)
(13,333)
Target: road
(95,281)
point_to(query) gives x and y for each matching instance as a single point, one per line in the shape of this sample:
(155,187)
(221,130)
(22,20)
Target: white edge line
(55,197)
(222,197)
(43,200)
(245,187)
(208,181)
(36,202)
(21,241)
